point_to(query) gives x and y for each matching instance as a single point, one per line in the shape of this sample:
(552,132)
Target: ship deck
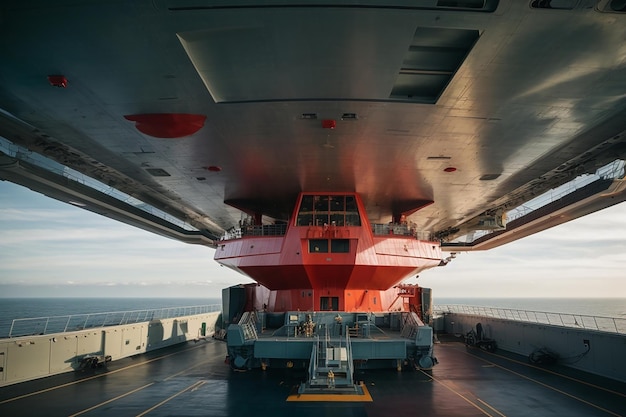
(192,379)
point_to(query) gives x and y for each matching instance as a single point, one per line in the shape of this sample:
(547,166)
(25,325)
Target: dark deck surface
(193,380)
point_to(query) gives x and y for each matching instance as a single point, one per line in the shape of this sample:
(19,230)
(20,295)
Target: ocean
(17,308)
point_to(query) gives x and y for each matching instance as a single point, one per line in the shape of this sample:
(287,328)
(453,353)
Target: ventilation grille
(612,6)
(487,6)
(158,172)
(430,63)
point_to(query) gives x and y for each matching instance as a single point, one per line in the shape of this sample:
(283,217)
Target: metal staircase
(331,368)
(410,324)
(248,323)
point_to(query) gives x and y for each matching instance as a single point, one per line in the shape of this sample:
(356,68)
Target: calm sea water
(17,308)
(14,308)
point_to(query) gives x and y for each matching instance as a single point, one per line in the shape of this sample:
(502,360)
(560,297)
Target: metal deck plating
(193,380)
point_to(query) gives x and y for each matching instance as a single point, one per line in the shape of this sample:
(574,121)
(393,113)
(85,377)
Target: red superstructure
(328,257)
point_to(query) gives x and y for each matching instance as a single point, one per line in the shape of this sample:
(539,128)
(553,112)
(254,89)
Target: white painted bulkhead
(605,356)
(30,357)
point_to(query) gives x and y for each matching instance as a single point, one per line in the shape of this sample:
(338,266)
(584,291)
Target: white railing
(42,161)
(579,321)
(350,370)
(410,323)
(400,229)
(61,324)
(248,323)
(256,230)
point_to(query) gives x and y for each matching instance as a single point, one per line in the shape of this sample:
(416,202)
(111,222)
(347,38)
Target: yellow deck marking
(551,387)
(86,410)
(197,384)
(463,396)
(589,384)
(199,364)
(140,388)
(30,394)
(490,407)
(365,397)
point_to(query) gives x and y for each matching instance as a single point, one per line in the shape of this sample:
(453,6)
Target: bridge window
(329,303)
(318,245)
(352,212)
(336,245)
(328,210)
(340,246)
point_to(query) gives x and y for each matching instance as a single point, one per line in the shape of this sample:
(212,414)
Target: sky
(53,249)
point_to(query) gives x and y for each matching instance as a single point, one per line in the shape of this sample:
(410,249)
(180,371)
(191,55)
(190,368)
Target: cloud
(46,244)
(582,258)
(33,215)
(69,234)
(116,291)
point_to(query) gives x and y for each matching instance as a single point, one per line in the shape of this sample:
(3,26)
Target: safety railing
(248,324)
(399,229)
(350,364)
(313,365)
(54,167)
(579,321)
(256,230)
(74,322)
(410,324)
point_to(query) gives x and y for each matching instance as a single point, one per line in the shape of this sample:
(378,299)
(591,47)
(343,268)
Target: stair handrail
(314,359)
(410,325)
(248,324)
(350,364)
(570,320)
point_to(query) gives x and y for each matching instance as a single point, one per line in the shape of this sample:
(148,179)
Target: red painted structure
(327,258)
(167,125)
